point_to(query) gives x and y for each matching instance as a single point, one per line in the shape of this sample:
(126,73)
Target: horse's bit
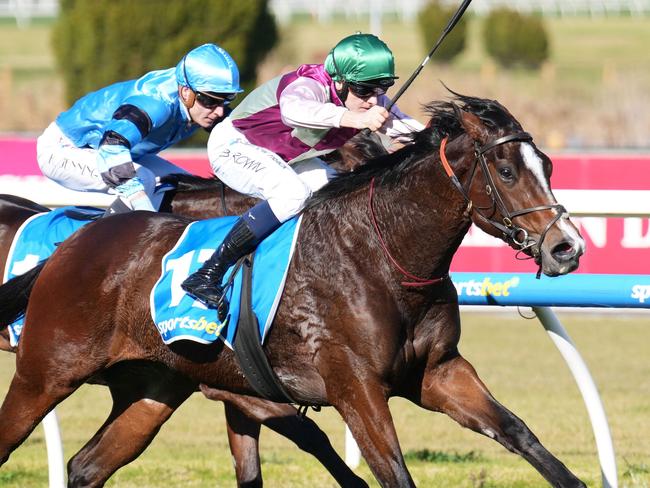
(512,233)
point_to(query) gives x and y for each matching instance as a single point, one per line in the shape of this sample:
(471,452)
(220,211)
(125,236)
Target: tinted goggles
(366,91)
(208,100)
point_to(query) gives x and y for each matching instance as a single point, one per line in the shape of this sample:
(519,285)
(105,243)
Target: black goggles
(208,100)
(367,90)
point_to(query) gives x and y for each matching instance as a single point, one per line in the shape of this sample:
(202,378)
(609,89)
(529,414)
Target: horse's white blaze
(534,163)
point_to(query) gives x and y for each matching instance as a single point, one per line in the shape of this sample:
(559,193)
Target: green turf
(514,357)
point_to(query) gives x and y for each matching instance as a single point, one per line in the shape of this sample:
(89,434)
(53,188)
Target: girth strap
(248,349)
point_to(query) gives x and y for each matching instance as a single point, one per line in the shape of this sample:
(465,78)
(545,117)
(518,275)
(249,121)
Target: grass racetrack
(513,356)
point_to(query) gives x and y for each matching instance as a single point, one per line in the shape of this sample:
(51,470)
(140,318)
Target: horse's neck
(196,204)
(420,220)
(425,222)
(13,201)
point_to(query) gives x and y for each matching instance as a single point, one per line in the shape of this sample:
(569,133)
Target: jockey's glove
(133,191)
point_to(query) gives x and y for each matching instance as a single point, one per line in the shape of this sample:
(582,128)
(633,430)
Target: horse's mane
(444,122)
(445,115)
(186,182)
(24,203)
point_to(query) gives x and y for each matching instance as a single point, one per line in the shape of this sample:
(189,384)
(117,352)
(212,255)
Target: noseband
(513,234)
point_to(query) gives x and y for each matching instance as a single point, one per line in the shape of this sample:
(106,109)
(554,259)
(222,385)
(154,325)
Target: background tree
(513,39)
(100,42)
(432,20)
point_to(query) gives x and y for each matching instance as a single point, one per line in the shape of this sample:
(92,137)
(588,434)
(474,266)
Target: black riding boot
(205,283)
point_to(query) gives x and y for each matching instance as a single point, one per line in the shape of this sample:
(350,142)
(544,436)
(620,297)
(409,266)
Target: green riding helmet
(361,58)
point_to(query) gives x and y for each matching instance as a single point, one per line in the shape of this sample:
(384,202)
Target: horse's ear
(473,126)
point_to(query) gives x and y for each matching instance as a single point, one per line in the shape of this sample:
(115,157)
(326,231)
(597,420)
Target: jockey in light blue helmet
(208,69)
(109,140)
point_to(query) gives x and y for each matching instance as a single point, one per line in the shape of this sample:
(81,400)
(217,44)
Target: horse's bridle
(513,234)
(518,236)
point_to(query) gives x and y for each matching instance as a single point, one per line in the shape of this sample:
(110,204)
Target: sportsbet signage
(585,290)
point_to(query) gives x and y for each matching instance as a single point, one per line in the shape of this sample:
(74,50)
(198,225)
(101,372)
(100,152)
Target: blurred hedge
(99,42)
(515,39)
(432,20)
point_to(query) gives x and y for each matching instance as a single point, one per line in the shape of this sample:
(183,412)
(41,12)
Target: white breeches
(76,168)
(261,173)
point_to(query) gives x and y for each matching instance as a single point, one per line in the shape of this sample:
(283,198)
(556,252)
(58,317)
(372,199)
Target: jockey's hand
(133,191)
(118,175)
(372,119)
(141,201)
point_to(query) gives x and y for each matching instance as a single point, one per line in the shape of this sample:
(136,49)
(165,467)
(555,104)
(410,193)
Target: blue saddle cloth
(35,241)
(178,316)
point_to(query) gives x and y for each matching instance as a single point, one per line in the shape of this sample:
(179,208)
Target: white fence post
(56,466)
(352,452)
(587,388)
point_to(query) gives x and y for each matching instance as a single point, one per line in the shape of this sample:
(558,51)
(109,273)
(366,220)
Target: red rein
(416,280)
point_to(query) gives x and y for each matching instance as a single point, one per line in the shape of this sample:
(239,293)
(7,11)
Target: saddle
(83,213)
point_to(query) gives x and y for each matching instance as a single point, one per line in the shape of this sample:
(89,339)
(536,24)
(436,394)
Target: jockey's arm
(130,125)
(306,103)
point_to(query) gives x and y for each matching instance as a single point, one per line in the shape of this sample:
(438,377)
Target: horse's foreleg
(24,406)
(453,387)
(139,410)
(363,405)
(245,414)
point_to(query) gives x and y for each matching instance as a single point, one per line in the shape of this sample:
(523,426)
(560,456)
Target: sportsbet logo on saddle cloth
(178,316)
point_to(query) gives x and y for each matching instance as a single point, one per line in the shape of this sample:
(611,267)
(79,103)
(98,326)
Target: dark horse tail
(14,295)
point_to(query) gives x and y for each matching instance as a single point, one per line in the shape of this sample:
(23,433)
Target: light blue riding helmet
(208,68)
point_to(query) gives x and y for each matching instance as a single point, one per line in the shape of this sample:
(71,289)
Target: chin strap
(343,92)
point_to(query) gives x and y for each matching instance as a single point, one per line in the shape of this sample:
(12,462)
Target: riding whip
(450,25)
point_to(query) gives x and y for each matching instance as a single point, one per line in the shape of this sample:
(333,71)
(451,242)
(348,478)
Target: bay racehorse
(199,198)
(368,310)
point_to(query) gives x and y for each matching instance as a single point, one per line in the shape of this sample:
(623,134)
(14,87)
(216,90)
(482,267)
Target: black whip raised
(450,25)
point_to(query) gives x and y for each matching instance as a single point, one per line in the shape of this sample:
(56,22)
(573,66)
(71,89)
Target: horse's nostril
(564,251)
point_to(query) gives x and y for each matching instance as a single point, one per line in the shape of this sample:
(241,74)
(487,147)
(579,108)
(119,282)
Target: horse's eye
(506,174)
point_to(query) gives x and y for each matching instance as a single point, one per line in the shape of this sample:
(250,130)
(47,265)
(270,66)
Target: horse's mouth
(563,258)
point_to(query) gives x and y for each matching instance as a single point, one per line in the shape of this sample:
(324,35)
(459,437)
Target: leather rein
(512,234)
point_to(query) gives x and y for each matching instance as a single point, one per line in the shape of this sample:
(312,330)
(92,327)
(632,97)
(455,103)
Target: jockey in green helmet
(361,62)
(270,145)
